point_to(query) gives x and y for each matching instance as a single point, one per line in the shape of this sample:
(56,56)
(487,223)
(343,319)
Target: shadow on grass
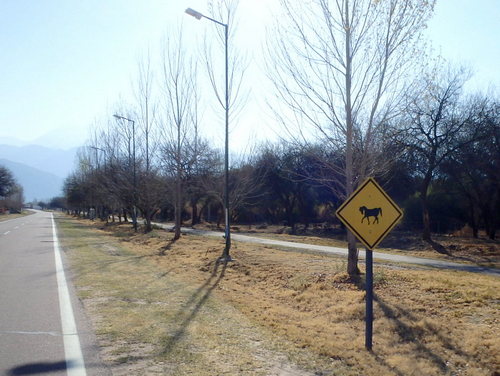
(190,309)
(439,248)
(167,247)
(359,281)
(416,335)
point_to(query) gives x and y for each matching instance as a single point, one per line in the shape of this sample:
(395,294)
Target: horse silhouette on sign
(367,213)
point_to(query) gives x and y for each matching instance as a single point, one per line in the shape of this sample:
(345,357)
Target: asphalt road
(43,329)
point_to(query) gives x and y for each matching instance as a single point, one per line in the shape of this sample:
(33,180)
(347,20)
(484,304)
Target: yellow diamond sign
(369,213)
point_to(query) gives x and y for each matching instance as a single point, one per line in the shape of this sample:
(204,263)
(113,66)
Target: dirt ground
(272,312)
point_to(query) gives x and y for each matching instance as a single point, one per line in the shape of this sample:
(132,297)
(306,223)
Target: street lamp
(97,149)
(225,255)
(134,214)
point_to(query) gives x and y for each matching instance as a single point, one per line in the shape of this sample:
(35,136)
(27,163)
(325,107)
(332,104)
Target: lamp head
(194,13)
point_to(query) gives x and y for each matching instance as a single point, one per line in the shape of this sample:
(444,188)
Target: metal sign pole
(369,300)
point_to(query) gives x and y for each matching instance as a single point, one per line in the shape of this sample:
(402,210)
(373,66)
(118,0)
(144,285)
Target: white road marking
(72,349)
(15,228)
(6,233)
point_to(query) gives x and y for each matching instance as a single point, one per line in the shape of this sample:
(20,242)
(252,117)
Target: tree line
(11,193)
(354,95)
(449,186)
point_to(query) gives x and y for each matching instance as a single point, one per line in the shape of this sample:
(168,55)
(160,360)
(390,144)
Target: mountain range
(40,170)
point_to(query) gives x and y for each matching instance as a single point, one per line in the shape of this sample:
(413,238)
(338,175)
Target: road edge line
(72,350)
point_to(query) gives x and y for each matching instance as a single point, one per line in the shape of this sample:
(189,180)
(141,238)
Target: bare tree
(179,92)
(15,200)
(149,196)
(474,169)
(225,11)
(487,166)
(438,123)
(109,160)
(245,183)
(339,68)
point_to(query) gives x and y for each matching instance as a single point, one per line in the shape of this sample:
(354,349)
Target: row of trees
(11,193)
(289,184)
(352,96)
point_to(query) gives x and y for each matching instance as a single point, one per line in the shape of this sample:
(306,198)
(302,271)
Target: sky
(65,64)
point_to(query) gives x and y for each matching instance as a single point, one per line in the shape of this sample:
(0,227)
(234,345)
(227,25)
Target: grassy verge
(154,316)
(8,217)
(167,308)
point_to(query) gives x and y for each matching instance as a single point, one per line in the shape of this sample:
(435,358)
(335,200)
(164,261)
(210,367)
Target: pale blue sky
(468,31)
(65,63)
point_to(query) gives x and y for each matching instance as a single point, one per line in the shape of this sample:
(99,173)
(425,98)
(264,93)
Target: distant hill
(37,184)
(62,138)
(54,161)
(12,141)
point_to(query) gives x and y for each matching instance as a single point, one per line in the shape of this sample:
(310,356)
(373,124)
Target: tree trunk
(220,215)
(352,251)
(489,222)
(424,200)
(426,221)
(473,222)
(194,213)
(291,220)
(209,214)
(178,214)
(475,232)
(147,217)
(352,255)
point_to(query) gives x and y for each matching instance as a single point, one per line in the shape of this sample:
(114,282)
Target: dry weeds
(274,312)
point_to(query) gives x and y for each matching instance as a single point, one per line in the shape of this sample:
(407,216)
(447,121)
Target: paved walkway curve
(440,264)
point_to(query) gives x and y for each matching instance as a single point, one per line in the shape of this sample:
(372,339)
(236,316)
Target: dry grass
(153,316)
(8,217)
(273,312)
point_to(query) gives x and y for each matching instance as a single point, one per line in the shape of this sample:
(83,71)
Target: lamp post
(96,158)
(225,255)
(134,214)
(96,149)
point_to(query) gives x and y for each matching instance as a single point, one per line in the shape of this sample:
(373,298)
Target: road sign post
(370,214)
(369,300)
